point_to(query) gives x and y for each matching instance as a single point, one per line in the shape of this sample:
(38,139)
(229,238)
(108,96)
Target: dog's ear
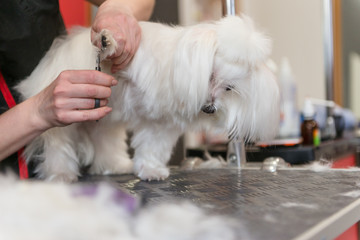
(266,101)
(238,41)
(193,66)
(256,114)
(253,112)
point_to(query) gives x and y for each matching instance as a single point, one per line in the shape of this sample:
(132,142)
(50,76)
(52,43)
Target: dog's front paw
(62,177)
(106,42)
(151,172)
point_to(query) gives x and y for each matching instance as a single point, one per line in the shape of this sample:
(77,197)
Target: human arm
(121,18)
(70,98)
(140,9)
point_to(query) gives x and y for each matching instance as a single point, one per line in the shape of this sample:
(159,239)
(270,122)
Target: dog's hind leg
(153,147)
(110,146)
(58,160)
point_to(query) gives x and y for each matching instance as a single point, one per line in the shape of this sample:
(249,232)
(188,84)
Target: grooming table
(288,204)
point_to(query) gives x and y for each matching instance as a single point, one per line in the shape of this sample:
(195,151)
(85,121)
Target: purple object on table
(117,196)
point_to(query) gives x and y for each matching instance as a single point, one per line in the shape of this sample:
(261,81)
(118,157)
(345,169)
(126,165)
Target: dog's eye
(229,88)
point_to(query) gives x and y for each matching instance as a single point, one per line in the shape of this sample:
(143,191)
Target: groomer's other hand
(119,20)
(71,98)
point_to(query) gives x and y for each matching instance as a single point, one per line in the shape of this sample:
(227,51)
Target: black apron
(27,29)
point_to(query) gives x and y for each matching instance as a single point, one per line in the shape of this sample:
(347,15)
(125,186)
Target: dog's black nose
(209,109)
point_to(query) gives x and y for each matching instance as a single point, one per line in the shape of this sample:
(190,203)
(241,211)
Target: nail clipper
(104,44)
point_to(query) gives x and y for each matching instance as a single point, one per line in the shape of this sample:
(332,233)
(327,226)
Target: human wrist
(37,117)
(141,10)
(117,6)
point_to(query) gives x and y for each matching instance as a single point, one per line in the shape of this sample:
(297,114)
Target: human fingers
(82,91)
(125,31)
(87,77)
(95,39)
(68,117)
(128,53)
(78,103)
(73,91)
(117,67)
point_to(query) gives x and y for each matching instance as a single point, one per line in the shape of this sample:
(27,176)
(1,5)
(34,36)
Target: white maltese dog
(210,75)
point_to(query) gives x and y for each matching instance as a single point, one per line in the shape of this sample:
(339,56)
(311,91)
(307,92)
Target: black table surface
(287,204)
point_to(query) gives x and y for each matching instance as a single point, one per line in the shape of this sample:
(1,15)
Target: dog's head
(240,93)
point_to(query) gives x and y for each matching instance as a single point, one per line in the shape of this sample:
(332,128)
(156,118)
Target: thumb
(95,38)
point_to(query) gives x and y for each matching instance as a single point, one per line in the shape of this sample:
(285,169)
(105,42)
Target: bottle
(290,117)
(309,128)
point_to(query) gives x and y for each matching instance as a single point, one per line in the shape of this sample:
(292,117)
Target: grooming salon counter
(287,204)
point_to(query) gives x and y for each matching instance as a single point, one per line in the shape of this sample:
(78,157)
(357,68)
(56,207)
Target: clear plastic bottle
(309,128)
(290,117)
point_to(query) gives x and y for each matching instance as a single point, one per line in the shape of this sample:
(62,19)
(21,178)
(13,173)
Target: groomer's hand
(119,20)
(71,98)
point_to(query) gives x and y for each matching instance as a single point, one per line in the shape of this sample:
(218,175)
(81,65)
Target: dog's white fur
(56,211)
(175,72)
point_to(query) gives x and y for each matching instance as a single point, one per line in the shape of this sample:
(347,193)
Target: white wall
(194,11)
(296,27)
(354,60)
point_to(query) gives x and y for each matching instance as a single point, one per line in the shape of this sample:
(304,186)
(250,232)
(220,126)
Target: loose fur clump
(43,210)
(206,76)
